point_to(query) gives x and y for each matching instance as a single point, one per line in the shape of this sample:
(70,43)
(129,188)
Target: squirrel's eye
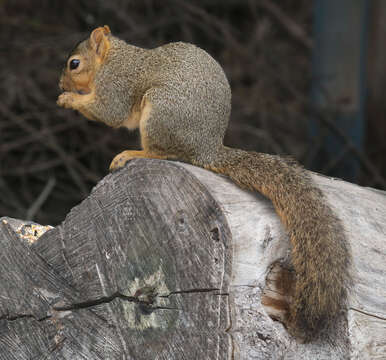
(74,63)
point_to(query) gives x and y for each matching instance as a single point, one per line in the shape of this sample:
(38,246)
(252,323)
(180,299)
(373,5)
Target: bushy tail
(320,253)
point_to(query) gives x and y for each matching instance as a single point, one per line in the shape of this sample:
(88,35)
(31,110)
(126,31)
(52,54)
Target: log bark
(168,261)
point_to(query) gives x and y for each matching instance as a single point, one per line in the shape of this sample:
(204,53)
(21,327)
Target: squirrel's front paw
(66,100)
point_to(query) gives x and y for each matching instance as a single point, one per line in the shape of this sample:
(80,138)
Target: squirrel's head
(84,61)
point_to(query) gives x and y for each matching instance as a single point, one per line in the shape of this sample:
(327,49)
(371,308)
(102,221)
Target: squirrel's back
(197,86)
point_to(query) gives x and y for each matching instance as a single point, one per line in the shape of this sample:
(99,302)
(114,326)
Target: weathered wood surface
(259,241)
(168,261)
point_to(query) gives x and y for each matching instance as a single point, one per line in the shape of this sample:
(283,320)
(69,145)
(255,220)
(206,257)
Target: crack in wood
(190,291)
(368,314)
(145,305)
(105,300)
(24,316)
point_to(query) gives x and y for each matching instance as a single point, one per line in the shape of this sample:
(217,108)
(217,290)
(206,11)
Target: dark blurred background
(307,80)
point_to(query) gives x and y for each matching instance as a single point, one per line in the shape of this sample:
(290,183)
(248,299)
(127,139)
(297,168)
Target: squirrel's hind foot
(124,157)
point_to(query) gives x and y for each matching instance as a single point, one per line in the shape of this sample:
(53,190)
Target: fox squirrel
(180,99)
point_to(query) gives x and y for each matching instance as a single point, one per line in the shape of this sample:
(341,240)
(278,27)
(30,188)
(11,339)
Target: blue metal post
(339,80)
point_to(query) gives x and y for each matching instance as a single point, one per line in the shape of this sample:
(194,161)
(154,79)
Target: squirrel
(180,99)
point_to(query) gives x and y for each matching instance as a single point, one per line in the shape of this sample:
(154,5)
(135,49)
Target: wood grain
(168,261)
(139,270)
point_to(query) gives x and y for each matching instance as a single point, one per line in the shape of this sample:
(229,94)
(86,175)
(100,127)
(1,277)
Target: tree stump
(168,261)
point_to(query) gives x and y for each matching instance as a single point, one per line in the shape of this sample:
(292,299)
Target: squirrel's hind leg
(122,158)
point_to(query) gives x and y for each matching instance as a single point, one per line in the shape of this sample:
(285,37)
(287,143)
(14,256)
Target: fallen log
(168,261)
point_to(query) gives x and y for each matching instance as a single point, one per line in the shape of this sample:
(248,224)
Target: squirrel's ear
(99,41)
